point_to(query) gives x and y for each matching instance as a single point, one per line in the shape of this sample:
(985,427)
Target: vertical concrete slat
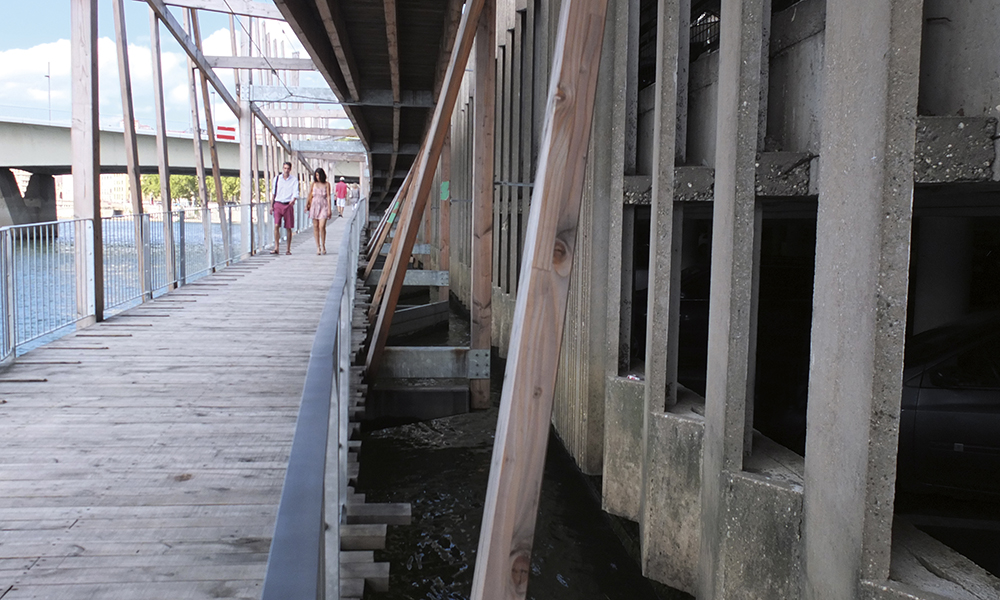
(660,390)
(483,211)
(444,217)
(871,64)
(85,140)
(730,302)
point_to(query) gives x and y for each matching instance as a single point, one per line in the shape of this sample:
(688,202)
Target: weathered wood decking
(143,457)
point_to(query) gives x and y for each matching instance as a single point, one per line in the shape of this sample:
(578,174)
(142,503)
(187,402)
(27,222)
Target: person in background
(353,194)
(318,207)
(286,190)
(341,193)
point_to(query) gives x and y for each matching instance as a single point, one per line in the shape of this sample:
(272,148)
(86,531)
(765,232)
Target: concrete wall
(795,78)
(769,508)
(702,107)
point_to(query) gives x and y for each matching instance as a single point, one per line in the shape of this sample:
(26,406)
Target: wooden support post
(404,215)
(212,149)
(503,560)
(444,216)
(131,150)
(162,157)
(481,306)
(247,150)
(423,178)
(85,140)
(199,156)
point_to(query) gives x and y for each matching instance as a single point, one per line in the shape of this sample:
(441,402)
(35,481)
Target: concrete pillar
(871,60)
(12,208)
(40,198)
(731,303)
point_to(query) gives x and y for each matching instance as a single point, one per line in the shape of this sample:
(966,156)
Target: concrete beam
(955,149)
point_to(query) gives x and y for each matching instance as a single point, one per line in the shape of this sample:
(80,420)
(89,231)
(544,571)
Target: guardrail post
(7,276)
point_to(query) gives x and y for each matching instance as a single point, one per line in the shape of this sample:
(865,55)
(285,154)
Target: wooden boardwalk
(143,457)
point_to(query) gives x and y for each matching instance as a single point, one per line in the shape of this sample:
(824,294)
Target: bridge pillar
(40,198)
(13,210)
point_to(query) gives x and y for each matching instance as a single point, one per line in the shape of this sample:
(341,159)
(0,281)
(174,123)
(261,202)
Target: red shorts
(284,212)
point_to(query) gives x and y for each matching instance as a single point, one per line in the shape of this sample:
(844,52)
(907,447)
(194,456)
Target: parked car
(949,431)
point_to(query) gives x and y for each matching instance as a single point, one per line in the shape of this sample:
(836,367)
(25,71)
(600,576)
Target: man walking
(286,190)
(340,191)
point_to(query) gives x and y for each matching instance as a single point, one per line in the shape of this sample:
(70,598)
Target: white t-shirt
(286,190)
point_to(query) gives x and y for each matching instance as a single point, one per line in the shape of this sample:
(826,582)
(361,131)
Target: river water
(441,468)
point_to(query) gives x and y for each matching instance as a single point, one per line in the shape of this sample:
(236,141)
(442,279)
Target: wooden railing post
(503,560)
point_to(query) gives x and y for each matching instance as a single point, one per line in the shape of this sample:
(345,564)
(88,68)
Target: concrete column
(664,288)
(731,302)
(40,198)
(871,67)
(12,208)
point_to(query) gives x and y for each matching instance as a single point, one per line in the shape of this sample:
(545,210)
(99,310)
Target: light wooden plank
(481,307)
(503,559)
(424,176)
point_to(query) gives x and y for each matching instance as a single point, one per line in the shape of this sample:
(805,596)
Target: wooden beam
(194,53)
(405,215)
(392,45)
(249,8)
(333,112)
(423,178)
(504,556)
(317,131)
(444,216)
(212,148)
(260,62)
(162,156)
(131,147)
(324,95)
(341,146)
(481,304)
(85,138)
(336,29)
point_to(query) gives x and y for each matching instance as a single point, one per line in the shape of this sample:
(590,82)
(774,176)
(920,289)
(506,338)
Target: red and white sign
(225,133)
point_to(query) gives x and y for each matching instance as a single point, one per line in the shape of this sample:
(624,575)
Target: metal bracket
(479,364)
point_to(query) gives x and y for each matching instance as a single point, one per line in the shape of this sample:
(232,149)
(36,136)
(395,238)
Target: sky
(35,43)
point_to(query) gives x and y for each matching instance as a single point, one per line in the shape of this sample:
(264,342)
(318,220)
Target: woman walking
(318,206)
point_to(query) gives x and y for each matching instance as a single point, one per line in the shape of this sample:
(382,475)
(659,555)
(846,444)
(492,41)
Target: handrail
(316,480)
(43,265)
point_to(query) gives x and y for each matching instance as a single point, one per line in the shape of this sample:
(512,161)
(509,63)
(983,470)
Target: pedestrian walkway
(143,457)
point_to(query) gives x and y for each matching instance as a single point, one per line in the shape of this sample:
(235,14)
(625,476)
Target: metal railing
(305,550)
(46,286)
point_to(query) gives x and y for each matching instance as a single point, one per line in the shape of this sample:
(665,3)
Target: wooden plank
(260,62)
(194,53)
(113,480)
(423,179)
(212,148)
(503,558)
(250,8)
(405,217)
(481,306)
(336,29)
(444,218)
(131,148)
(162,157)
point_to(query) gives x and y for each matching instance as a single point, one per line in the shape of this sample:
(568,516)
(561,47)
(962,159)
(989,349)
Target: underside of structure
(385,61)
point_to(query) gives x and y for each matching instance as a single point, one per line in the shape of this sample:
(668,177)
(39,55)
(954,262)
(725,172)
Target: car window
(977,367)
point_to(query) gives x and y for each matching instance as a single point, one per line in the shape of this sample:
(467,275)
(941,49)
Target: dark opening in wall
(704,27)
